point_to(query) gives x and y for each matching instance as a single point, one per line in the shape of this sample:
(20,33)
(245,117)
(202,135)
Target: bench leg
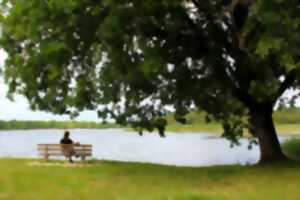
(46,157)
(82,158)
(70,159)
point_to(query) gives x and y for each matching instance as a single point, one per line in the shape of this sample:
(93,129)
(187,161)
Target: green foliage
(291,148)
(279,16)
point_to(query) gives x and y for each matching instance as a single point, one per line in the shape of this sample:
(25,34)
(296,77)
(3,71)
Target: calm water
(187,149)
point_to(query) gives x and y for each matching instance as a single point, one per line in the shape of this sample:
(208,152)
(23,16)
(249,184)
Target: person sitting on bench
(68,149)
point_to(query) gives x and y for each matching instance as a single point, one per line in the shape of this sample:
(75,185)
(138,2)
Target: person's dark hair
(66,134)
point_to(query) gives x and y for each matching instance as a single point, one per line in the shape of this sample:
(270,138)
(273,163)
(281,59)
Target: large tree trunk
(262,126)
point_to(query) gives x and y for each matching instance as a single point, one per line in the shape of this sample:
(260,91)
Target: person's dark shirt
(66,141)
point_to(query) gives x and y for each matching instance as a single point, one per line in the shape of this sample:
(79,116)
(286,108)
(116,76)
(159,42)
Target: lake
(188,149)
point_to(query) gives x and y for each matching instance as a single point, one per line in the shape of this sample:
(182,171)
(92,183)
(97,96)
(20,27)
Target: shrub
(291,148)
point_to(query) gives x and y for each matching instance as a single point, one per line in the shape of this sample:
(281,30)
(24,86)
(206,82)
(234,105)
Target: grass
(287,122)
(132,181)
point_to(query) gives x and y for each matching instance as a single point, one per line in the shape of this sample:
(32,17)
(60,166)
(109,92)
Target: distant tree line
(14,125)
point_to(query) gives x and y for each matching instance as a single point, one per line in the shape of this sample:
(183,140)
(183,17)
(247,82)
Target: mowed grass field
(287,122)
(34,180)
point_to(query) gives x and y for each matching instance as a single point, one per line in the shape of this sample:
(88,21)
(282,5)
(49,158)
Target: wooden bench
(81,150)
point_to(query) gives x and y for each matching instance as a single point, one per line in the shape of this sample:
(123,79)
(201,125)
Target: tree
(131,60)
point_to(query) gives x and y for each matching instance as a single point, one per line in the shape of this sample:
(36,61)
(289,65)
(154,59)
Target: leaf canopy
(131,60)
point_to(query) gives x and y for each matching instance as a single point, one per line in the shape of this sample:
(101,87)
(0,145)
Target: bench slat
(62,151)
(84,145)
(61,154)
(60,148)
(56,146)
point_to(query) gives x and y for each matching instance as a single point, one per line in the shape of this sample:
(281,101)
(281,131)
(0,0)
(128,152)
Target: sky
(19,108)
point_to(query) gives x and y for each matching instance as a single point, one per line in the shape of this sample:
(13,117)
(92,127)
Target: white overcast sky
(19,109)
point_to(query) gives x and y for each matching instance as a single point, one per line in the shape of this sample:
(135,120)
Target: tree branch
(289,80)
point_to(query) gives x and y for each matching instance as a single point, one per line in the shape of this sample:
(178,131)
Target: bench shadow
(61,163)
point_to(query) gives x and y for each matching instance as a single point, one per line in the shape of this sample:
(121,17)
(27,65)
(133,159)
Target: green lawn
(20,180)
